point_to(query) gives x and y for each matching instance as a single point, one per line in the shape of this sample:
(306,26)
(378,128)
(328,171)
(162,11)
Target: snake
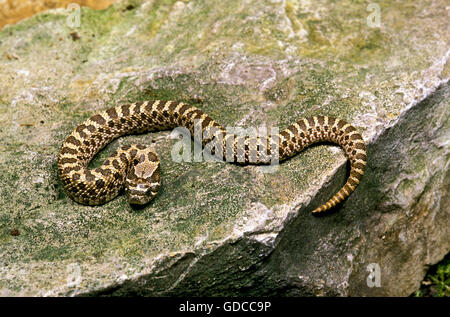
(135,168)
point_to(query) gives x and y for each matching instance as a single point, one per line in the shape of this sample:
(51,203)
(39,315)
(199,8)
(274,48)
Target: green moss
(437,281)
(99,22)
(50,253)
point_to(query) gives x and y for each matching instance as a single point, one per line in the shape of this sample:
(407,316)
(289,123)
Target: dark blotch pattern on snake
(136,167)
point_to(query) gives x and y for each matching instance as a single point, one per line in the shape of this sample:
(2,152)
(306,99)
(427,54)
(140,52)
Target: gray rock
(223,229)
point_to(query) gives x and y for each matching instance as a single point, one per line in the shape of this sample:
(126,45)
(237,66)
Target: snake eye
(142,187)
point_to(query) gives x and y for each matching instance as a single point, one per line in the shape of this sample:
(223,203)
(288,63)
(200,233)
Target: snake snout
(141,193)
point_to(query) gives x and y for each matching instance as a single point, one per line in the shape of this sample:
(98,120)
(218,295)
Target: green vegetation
(437,281)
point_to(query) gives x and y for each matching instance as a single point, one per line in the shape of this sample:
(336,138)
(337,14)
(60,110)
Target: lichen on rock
(224,229)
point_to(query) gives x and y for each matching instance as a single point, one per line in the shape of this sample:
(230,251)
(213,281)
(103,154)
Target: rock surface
(222,229)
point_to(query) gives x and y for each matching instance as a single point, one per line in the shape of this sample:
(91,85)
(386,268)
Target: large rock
(224,229)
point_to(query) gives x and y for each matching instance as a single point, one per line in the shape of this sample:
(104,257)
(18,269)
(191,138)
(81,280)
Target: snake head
(141,191)
(142,182)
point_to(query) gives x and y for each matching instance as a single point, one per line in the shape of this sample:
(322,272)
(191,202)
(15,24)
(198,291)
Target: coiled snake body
(136,167)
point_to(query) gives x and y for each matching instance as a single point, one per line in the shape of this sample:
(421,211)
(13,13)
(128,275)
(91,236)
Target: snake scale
(136,168)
